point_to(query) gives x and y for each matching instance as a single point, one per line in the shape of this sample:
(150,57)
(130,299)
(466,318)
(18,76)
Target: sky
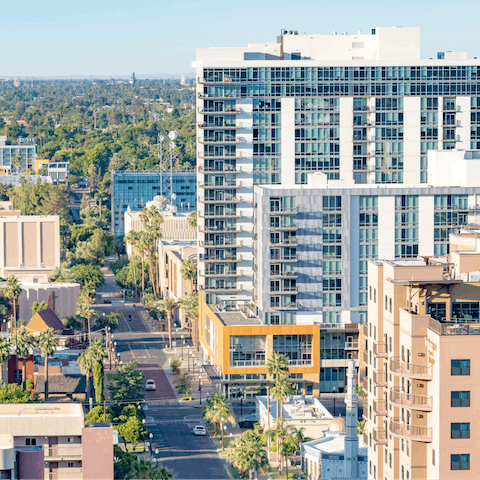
(118,37)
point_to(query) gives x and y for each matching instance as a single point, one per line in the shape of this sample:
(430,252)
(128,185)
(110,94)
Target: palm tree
(281,390)
(291,442)
(5,347)
(277,364)
(190,305)
(188,270)
(151,220)
(86,363)
(97,352)
(277,434)
(141,247)
(168,305)
(87,294)
(145,469)
(47,342)
(248,452)
(192,220)
(13,291)
(219,412)
(24,343)
(132,239)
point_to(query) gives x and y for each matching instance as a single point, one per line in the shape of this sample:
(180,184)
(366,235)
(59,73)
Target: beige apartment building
(51,441)
(420,365)
(29,247)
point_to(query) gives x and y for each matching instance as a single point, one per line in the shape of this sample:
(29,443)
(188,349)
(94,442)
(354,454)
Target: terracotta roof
(62,384)
(50,319)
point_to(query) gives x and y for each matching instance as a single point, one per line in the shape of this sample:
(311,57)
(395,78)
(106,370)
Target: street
(170,422)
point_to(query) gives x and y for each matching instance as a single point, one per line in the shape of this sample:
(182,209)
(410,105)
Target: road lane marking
(146,349)
(130,347)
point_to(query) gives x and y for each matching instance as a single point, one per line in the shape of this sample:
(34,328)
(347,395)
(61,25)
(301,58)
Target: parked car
(150,385)
(199,430)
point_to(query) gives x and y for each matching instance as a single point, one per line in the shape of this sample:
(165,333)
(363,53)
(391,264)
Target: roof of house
(62,384)
(50,319)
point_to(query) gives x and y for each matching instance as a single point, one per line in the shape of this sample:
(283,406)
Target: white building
(27,152)
(364,108)
(337,454)
(58,170)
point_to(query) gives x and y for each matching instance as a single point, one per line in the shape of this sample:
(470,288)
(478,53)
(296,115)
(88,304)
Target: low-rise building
(58,171)
(26,151)
(51,441)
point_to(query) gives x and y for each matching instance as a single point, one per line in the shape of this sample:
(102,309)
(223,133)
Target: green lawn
(111,377)
(140,448)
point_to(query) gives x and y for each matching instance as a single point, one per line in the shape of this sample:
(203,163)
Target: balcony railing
(411,400)
(219,200)
(284,227)
(219,258)
(220,214)
(213,170)
(227,155)
(380,378)
(288,242)
(283,274)
(218,229)
(224,139)
(283,258)
(364,328)
(230,95)
(351,345)
(286,306)
(215,273)
(226,184)
(365,438)
(215,110)
(64,451)
(365,383)
(413,432)
(380,436)
(284,291)
(248,363)
(380,349)
(226,288)
(213,125)
(454,328)
(417,371)
(380,408)
(365,356)
(285,210)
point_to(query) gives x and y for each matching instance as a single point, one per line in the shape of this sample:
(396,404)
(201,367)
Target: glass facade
(135,189)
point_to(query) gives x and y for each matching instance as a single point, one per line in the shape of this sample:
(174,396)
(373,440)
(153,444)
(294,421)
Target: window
(70,440)
(460,399)
(390,304)
(386,302)
(460,367)
(30,441)
(460,430)
(460,462)
(70,464)
(433,457)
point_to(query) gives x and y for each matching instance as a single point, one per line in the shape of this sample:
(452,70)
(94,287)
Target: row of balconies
(215,110)
(220,200)
(225,183)
(225,139)
(220,228)
(275,274)
(214,170)
(400,429)
(217,273)
(225,242)
(283,258)
(220,214)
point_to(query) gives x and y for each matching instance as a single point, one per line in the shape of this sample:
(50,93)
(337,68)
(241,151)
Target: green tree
(128,385)
(92,250)
(25,343)
(131,431)
(13,393)
(188,270)
(361,426)
(132,239)
(47,342)
(248,453)
(13,291)
(5,349)
(190,304)
(277,364)
(71,322)
(146,469)
(107,320)
(84,310)
(86,363)
(96,414)
(87,274)
(98,353)
(38,307)
(219,412)
(281,390)
(168,305)
(123,463)
(192,220)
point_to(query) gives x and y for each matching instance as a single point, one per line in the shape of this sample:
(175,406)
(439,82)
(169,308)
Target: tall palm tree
(281,390)
(132,239)
(192,220)
(145,469)
(219,412)
(47,341)
(277,434)
(248,452)
(277,364)
(168,305)
(24,343)
(87,294)
(190,304)
(188,270)
(13,291)
(5,347)
(141,247)
(86,363)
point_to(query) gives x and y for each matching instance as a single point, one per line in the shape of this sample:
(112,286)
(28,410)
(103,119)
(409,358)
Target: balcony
(219,229)
(283,227)
(284,291)
(219,200)
(225,243)
(214,110)
(226,184)
(283,275)
(380,378)
(214,126)
(230,95)
(285,242)
(220,288)
(380,408)
(219,258)
(225,155)
(380,349)
(65,473)
(365,383)
(63,452)
(283,258)
(365,438)
(415,371)
(284,211)
(364,328)
(365,356)
(213,170)
(413,432)
(380,436)
(215,273)
(286,306)
(351,345)
(225,139)
(220,214)
(410,400)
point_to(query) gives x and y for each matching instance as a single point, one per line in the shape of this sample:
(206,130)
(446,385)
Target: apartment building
(51,441)
(135,189)
(364,108)
(27,151)
(422,339)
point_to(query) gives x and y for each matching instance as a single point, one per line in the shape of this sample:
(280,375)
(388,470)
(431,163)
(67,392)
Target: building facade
(422,335)
(58,171)
(364,108)
(134,189)
(27,153)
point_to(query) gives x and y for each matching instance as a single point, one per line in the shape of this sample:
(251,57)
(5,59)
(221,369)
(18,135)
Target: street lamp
(242,392)
(188,353)
(222,427)
(182,346)
(200,384)
(334,398)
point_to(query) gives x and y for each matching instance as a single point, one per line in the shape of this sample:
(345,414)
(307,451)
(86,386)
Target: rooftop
(299,407)
(334,445)
(237,318)
(41,410)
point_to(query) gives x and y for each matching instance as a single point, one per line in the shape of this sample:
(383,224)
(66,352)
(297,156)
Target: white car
(150,385)
(199,430)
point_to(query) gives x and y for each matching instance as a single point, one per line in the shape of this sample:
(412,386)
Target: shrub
(188,398)
(175,363)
